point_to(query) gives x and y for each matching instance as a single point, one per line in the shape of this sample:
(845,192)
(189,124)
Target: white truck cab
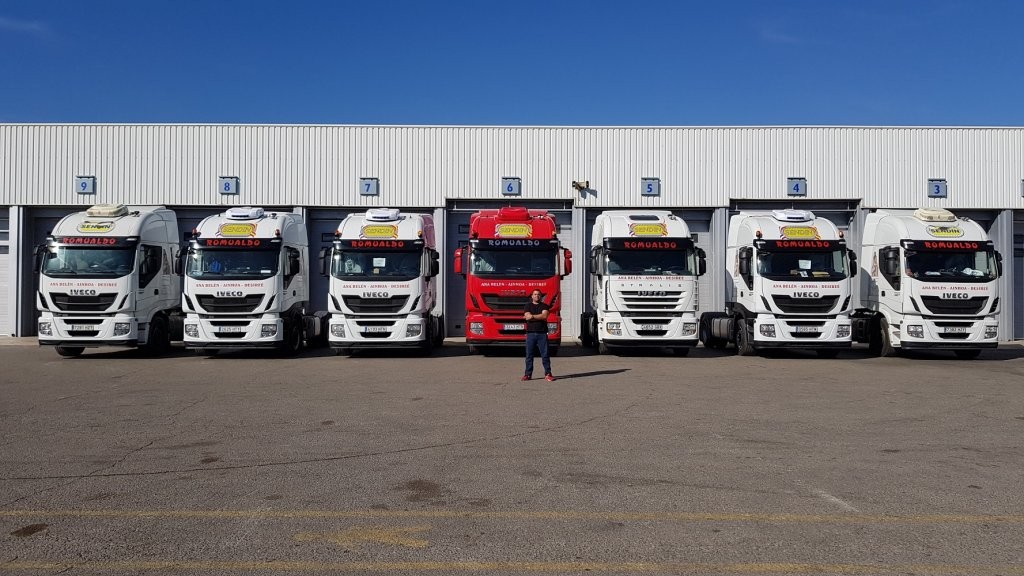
(643,291)
(247,282)
(930,282)
(791,284)
(106,279)
(383,267)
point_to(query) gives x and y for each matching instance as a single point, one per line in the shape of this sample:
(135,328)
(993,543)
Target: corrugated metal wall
(425,166)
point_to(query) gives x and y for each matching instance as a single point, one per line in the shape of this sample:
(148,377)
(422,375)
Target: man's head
(535,295)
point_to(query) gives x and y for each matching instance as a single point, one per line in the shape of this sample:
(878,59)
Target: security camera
(581,185)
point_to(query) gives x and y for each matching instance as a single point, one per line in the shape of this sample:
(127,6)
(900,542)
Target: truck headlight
(268,330)
(552,327)
(476,327)
(192,330)
(122,328)
(614,328)
(689,328)
(768,330)
(843,330)
(338,330)
(413,330)
(991,331)
(915,330)
(45,329)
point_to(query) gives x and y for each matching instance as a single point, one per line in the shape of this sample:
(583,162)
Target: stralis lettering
(955,296)
(803,244)
(229,294)
(806,294)
(952,245)
(378,243)
(650,245)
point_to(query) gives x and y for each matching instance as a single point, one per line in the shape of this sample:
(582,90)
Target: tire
(743,345)
(428,341)
(587,331)
(967,354)
(69,351)
(439,332)
(292,344)
(885,349)
(875,338)
(158,339)
(828,353)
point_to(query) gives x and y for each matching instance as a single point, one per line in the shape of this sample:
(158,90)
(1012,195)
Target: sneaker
(549,377)
(525,377)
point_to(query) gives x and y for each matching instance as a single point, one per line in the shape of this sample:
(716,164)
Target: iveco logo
(651,293)
(955,296)
(82,292)
(376,295)
(228,294)
(806,294)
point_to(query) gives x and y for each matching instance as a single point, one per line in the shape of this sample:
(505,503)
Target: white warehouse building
(326,172)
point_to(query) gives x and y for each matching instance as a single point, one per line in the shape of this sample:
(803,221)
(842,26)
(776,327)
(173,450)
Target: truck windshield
(231,264)
(511,263)
(802,265)
(376,265)
(652,262)
(64,261)
(946,265)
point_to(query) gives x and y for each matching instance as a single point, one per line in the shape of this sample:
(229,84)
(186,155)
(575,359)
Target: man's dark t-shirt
(536,325)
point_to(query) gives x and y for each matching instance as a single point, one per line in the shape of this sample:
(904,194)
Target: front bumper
(797,332)
(505,330)
(650,331)
(944,334)
(370,332)
(232,331)
(87,331)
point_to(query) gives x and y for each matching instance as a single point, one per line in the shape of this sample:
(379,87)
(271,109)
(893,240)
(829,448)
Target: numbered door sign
(650,187)
(85,184)
(937,188)
(228,185)
(796,186)
(369,187)
(511,186)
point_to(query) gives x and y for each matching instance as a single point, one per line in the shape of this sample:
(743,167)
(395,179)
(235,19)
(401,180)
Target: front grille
(953,336)
(236,305)
(940,306)
(83,333)
(792,305)
(505,303)
(651,332)
(229,335)
(361,305)
(651,300)
(97,303)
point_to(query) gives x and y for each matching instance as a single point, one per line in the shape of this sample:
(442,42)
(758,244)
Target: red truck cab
(511,251)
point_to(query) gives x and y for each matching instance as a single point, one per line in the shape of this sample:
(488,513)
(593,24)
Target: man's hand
(527,316)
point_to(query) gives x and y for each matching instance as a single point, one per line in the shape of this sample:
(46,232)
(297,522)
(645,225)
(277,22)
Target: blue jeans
(538,340)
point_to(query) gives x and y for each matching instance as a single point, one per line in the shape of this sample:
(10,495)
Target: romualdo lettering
(650,244)
(378,243)
(233,242)
(939,245)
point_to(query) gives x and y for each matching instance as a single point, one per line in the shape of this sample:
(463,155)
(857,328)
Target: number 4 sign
(796,186)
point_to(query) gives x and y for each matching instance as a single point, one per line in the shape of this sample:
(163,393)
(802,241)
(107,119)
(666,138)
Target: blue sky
(526,62)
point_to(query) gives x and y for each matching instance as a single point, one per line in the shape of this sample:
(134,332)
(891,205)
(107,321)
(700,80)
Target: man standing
(536,315)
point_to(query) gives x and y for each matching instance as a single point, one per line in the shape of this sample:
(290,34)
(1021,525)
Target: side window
(890,269)
(293,266)
(150,264)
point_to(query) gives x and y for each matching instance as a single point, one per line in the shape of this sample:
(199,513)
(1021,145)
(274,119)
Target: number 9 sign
(85,184)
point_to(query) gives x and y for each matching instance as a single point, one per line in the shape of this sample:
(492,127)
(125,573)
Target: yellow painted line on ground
(484,566)
(531,515)
(394,536)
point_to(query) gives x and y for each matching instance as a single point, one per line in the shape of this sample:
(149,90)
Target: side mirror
(179,262)
(435,264)
(325,256)
(999,264)
(40,253)
(744,262)
(458,261)
(702,262)
(595,260)
(568,262)
(853,262)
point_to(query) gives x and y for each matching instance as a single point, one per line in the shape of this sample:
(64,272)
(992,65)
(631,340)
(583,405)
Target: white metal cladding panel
(424,166)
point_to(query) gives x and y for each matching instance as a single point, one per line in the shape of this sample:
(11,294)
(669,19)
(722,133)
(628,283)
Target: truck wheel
(293,340)
(439,332)
(967,354)
(885,348)
(586,332)
(743,345)
(828,353)
(158,339)
(69,351)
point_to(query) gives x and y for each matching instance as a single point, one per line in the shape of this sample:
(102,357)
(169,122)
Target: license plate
(515,327)
(81,327)
(957,329)
(651,327)
(231,329)
(806,329)
(376,329)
